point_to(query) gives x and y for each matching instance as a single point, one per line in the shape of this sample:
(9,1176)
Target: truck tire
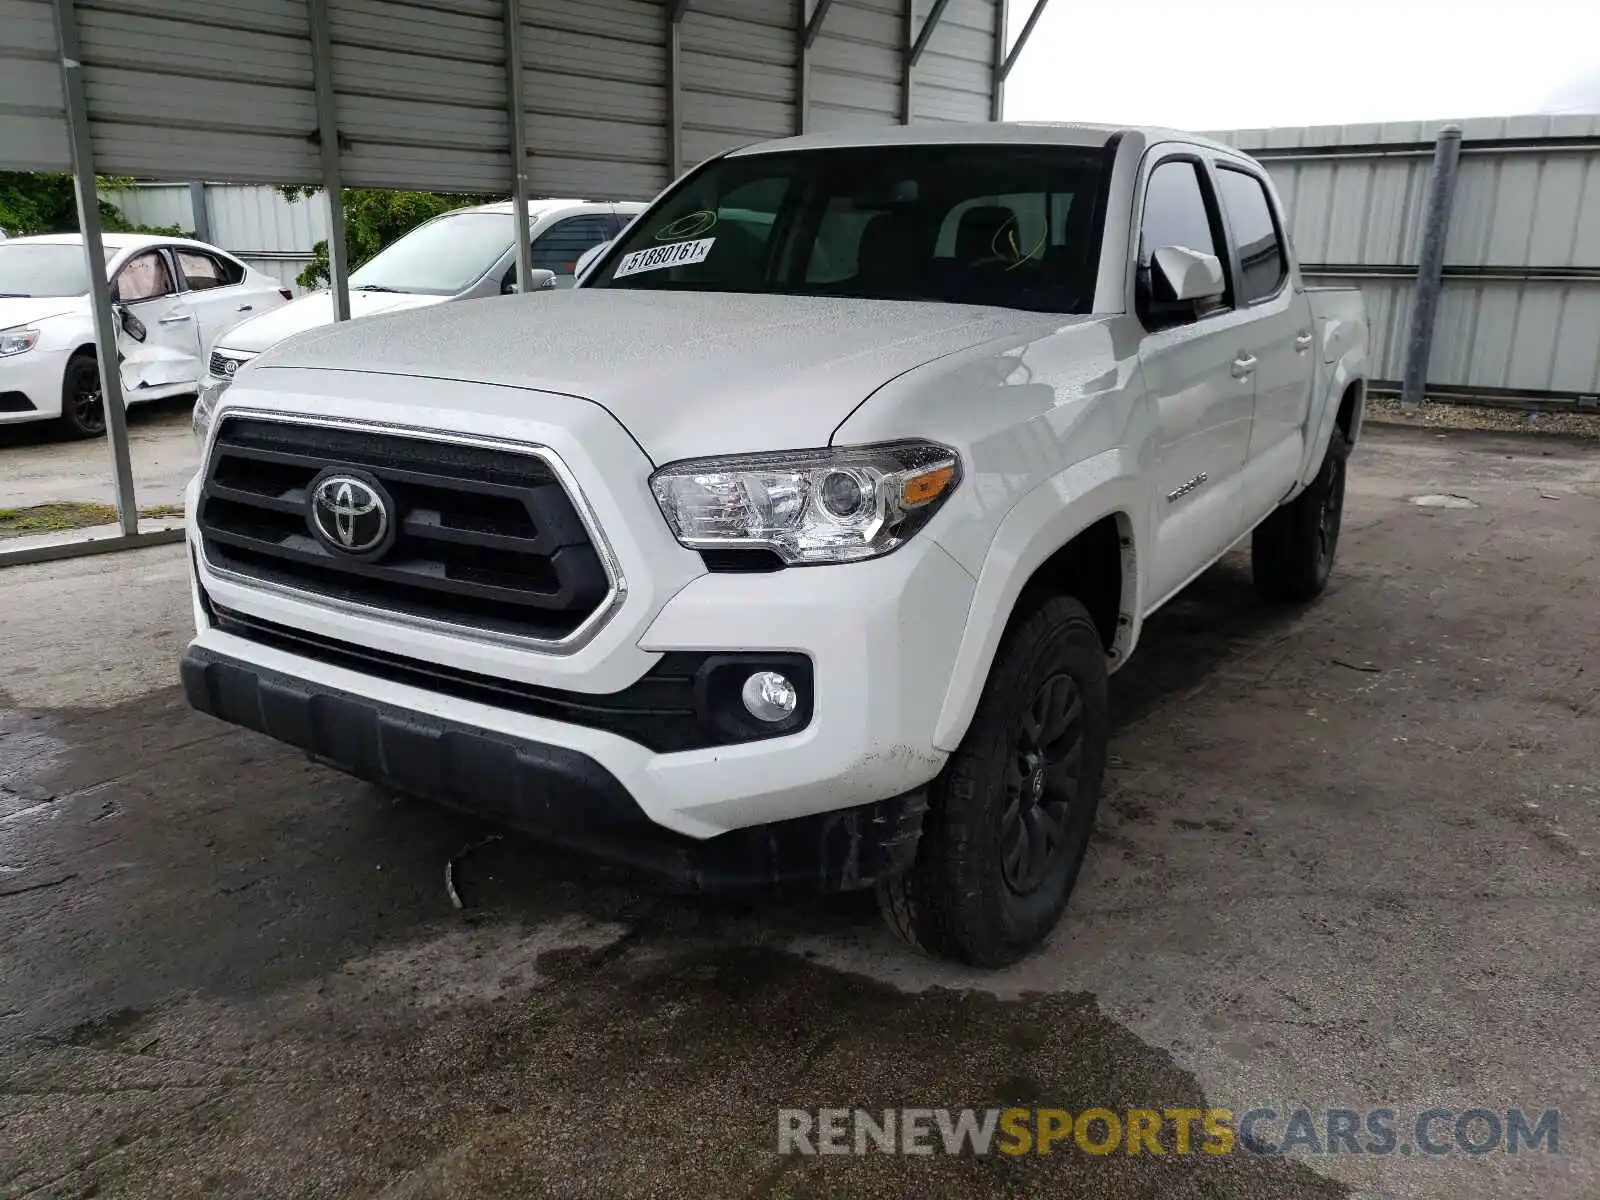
(1010,815)
(1291,552)
(83,407)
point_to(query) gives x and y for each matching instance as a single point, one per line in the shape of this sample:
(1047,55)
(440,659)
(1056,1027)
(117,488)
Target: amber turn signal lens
(926,485)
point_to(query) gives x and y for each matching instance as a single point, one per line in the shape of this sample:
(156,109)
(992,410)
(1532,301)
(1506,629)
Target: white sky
(1238,64)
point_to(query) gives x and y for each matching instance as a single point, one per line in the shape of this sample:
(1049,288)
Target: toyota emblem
(350,513)
(230,367)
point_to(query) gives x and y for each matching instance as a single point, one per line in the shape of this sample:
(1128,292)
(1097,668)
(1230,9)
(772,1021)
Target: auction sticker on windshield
(678,254)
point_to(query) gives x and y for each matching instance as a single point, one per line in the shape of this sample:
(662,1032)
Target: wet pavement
(39,466)
(1347,858)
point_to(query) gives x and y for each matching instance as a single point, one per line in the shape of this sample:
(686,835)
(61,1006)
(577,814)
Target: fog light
(769,696)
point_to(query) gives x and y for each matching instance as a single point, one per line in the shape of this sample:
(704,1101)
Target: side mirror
(131,325)
(539,280)
(1186,275)
(588,256)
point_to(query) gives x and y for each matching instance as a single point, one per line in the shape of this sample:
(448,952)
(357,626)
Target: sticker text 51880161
(678,254)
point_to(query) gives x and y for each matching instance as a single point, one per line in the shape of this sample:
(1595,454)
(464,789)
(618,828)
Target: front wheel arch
(1014,578)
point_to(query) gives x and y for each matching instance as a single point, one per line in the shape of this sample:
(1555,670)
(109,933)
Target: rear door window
(203,271)
(1262,262)
(559,248)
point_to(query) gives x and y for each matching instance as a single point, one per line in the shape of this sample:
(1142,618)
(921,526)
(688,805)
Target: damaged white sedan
(173,297)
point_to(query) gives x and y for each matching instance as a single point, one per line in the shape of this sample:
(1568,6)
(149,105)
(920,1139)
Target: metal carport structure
(604,98)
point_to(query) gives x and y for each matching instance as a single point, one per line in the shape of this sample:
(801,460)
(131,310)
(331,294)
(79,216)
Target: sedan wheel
(83,408)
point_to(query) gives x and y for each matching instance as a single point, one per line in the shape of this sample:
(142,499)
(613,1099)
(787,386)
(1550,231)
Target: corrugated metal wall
(1520,311)
(255,223)
(225,90)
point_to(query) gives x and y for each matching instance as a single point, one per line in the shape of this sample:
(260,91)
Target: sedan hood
(256,334)
(25,310)
(686,373)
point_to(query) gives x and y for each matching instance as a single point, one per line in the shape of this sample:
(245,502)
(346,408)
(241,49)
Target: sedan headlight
(18,341)
(808,506)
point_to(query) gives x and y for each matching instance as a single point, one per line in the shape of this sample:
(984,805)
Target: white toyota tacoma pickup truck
(798,541)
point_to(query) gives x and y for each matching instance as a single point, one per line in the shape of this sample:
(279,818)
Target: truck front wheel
(1291,552)
(1009,818)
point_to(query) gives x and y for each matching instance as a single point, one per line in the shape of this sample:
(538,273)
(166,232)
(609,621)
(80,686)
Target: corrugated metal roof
(225,90)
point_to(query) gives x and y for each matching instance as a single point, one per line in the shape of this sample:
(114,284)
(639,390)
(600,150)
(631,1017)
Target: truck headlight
(808,506)
(18,341)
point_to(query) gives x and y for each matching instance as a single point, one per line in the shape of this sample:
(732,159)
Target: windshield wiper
(16,295)
(373,287)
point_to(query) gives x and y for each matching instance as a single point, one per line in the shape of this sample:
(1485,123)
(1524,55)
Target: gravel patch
(1472,416)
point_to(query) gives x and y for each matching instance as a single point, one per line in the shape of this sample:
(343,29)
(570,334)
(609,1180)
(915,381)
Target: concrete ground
(37,466)
(1347,858)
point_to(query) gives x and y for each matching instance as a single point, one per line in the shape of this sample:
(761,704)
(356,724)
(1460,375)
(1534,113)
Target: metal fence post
(997,83)
(675,14)
(1430,267)
(202,214)
(517,124)
(105,330)
(328,139)
(810,28)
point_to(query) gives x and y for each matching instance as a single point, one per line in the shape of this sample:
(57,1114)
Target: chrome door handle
(1302,342)
(246,307)
(177,320)
(1244,366)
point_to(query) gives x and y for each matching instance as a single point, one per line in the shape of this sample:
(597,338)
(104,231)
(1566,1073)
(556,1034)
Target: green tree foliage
(374,217)
(40,202)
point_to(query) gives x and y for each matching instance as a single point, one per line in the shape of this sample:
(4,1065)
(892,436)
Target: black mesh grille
(484,537)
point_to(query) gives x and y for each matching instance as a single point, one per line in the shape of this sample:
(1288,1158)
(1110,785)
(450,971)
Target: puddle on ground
(616,1067)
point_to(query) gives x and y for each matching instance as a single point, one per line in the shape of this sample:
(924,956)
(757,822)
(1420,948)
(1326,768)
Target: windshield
(43,269)
(439,258)
(1017,226)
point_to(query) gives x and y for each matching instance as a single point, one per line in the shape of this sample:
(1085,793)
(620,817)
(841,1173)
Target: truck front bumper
(837,802)
(552,791)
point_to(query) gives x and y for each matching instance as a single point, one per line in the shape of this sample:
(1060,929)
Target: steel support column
(328,144)
(518,126)
(915,43)
(997,83)
(675,15)
(1430,266)
(201,211)
(105,329)
(809,30)
(907,39)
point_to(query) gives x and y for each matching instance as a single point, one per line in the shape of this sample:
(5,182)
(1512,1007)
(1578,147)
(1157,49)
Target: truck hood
(256,334)
(26,310)
(686,373)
